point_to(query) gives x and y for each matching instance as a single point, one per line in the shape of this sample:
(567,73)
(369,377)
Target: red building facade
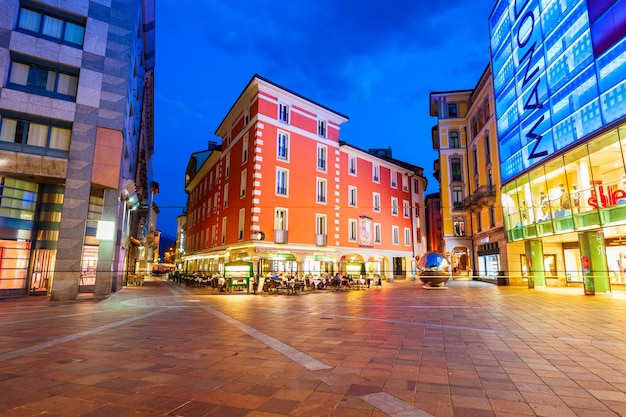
(284,193)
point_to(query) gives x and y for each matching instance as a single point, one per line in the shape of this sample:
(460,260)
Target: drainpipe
(467,172)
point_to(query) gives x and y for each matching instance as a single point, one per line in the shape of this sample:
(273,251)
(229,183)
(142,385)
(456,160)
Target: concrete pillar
(594,264)
(104,271)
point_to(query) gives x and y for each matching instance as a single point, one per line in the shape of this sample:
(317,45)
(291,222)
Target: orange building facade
(285,194)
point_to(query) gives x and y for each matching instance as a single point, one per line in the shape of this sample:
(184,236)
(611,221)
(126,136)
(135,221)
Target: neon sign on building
(559,71)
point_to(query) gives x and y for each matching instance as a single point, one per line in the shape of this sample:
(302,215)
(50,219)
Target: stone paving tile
(193,409)
(520,408)
(474,350)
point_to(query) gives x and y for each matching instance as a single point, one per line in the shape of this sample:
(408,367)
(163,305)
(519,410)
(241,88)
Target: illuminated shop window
(458,225)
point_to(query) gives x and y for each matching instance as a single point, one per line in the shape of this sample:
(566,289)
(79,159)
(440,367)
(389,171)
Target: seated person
(345,281)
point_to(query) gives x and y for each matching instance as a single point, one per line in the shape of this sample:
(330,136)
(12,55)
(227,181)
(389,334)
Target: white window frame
(244,183)
(407,236)
(395,235)
(225,201)
(284,156)
(322,128)
(394,206)
(321,191)
(405,183)
(378,232)
(352,164)
(226,169)
(376,202)
(393,179)
(282,174)
(241,224)
(283,113)
(280,218)
(406,209)
(224,223)
(244,149)
(322,158)
(352,196)
(352,230)
(320,224)
(376,173)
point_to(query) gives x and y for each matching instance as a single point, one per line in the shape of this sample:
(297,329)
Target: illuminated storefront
(560,90)
(278,263)
(318,265)
(582,190)
(488,259)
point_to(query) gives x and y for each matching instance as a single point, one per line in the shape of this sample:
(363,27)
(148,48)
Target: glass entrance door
(88,269)
(42,271)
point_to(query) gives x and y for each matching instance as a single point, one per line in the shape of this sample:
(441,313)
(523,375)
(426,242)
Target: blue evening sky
(374,61)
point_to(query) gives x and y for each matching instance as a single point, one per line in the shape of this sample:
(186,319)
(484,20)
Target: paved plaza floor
(164,349)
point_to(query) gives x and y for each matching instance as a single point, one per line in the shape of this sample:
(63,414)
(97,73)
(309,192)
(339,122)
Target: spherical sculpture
(434,270)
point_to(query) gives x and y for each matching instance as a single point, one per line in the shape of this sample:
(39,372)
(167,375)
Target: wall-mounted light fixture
(132,201)
(260,236)
(129,195)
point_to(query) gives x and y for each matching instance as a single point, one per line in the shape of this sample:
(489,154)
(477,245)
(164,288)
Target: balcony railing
(482,196)
(280,236)
(458,205)
(468,202)
(320,240)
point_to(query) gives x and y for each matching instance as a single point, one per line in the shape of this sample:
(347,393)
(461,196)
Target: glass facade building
(558,76)
(559,73)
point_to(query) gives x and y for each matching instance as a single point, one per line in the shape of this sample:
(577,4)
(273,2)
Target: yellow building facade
(469,174)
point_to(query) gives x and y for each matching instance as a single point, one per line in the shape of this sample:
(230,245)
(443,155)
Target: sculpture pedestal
(430,287)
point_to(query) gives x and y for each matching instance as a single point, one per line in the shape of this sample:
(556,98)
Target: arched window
(454,139)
